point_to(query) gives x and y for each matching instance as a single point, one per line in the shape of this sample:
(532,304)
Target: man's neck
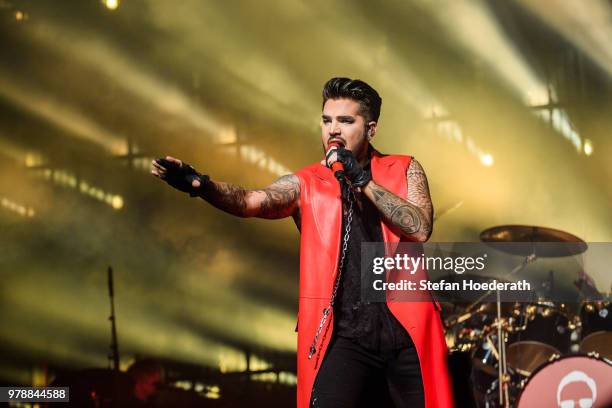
(365,157)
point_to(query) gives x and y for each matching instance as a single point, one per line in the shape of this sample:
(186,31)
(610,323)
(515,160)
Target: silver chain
(345,240)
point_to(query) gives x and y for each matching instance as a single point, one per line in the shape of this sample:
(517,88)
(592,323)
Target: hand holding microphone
(336,166)
(345,166)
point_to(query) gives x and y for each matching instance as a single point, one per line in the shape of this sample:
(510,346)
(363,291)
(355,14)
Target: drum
(570,381)
(542,330)
(484,368)
(596,318)
(466,331)
(484,377)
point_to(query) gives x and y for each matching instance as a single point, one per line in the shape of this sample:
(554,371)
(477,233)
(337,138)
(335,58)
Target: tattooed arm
(413,215)
(280,199)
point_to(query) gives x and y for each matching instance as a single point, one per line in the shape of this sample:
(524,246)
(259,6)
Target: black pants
(352,376)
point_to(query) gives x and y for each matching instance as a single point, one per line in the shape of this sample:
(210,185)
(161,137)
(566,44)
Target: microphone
(336,167)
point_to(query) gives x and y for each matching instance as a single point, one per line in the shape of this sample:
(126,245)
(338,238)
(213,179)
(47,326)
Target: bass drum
(570,381)
(596,318)
(544,330)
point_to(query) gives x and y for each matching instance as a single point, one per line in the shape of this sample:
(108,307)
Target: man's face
(341,122)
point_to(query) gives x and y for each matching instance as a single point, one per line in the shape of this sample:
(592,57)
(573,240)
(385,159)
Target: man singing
(347,348)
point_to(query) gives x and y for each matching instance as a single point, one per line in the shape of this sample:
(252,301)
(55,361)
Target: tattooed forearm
(413,215)
(227,197)
(278,200)
(281,198)
(404,215)
(418,188)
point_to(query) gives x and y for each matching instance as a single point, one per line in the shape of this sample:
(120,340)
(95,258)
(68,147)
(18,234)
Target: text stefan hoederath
(458,265)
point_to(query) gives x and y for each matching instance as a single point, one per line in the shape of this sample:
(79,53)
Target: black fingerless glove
(181,177)
(352,170)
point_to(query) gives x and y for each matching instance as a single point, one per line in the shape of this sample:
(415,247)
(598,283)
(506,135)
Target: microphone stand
(502,368)
(114,356)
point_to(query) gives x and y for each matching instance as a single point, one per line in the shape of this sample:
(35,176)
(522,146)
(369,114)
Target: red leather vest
(319,251)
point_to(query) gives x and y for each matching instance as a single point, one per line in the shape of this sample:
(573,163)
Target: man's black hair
(357,90)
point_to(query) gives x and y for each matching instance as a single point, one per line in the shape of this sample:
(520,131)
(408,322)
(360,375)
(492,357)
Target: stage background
(505,104)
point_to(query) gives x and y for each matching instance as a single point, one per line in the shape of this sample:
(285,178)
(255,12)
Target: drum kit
(518,350)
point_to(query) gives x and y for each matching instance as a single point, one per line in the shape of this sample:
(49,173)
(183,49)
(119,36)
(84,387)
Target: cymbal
(539,237)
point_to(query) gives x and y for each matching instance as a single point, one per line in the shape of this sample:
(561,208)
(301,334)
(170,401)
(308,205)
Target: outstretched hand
(179,175)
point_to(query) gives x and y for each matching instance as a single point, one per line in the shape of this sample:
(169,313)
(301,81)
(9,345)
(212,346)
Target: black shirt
(371,325)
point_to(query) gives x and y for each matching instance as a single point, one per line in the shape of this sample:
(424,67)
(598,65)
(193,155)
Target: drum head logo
(581,397)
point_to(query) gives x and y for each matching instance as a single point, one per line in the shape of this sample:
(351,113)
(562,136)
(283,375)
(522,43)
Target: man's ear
(371,132)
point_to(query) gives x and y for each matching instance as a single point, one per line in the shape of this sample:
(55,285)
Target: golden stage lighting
(213,392)
(117,202)
(253,154)
(588,147)
(33,159)
(111,4)
(20,15)
(22,210)
(486,159)
(65,178)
